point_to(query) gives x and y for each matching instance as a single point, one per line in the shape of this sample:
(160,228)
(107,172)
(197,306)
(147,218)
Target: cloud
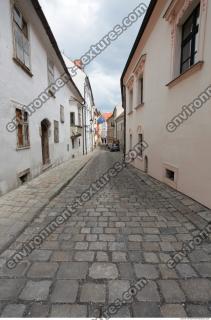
(79,24)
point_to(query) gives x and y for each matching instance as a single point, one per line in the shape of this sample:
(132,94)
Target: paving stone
(106,237)
(111,230)
(103,271)
(65,291)
(86,230)
(197,290)
(119,256)
(40,255)
(120,224)
(199,256)
(36,291)
(135,237)
(147,271)
(81,246)
(166,246)
(150,257)
(146,310)
(150,246)
(13,311)
(62,256)
(102,256)
(18,272)
(171,291)
(134,246)
(173,311)
(91,237)
(201,311)
(38,310)
(126,271)
(116,246)
(151,231)
(151,237)
(204,269)
(92,292)
(97,230)
(84,256)
(42,270)
(98,246)
(185,270)
(135,256)
(69,311)
(72,270)
(116,289)
(123,312)
(10,288)
(149,293)
(167,273)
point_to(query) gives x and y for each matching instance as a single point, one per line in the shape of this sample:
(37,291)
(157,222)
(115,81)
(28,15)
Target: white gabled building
(37,130)
(82,82)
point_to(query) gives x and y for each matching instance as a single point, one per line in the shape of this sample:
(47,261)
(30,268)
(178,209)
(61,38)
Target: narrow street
(127,231)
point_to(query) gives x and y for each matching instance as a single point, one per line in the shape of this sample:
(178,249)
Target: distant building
(103,127)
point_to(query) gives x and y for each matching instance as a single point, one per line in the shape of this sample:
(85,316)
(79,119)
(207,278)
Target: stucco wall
(16,85)
(188,148)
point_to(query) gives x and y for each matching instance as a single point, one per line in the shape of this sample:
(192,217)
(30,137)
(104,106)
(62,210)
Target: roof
(140,34)
(52,39)
(107,115)
(120,116)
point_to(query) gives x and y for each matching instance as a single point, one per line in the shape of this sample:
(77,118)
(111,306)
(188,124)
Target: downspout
(83,126)
(124,106)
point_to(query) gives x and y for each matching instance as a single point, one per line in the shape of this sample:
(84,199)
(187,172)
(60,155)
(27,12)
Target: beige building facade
(166,90)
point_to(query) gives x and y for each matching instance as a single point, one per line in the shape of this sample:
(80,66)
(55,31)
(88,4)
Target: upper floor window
(22,129)
(140,90)
(56,131)
(140,141)
(72,119)
(131,100)
(21,38)
(51,78)
(190,33)
(61,114)
(79,117)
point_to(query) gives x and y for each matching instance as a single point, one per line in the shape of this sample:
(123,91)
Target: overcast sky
(78,24)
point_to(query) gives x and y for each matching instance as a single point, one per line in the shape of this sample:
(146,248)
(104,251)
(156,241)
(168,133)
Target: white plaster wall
(187,149)
(16,85)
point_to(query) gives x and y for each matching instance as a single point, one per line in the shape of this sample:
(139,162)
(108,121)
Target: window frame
(72,124)
(24,126)
(56,131)
(62,118)
(190,38)
(25,38)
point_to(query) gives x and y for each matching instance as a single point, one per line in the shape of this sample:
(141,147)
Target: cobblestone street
(126,232)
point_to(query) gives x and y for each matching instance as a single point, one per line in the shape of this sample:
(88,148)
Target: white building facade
(166,93)
(36,121)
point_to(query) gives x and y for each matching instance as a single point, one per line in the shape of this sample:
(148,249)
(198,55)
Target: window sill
(129,113)
(197,66)
(23,67)
(139,106)
(22,148)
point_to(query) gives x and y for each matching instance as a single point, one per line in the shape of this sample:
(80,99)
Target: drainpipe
(83,126)
(124,106)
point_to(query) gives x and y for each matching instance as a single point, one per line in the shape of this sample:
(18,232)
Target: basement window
(170,174)
(24,176)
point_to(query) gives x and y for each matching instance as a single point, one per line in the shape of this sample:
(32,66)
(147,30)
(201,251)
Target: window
(79,117)
(190,32)
(21,38)
(140,90)
(73,143)
(131,100)
(72,119)
(131,142)
(51,79)
(61,114)
(170,174)
(56,131)
(22,129)
(140,141)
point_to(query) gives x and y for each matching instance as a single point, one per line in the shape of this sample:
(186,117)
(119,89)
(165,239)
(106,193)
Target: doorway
(45,125)
(146,164)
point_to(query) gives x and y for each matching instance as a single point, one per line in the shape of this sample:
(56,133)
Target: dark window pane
(186,51)
(187,28)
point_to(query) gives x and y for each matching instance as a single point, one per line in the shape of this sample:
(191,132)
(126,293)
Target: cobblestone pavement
(20,206)
(125,232)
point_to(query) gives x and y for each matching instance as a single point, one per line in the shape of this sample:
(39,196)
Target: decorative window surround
(130,83)
(139,69)
(176,14)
